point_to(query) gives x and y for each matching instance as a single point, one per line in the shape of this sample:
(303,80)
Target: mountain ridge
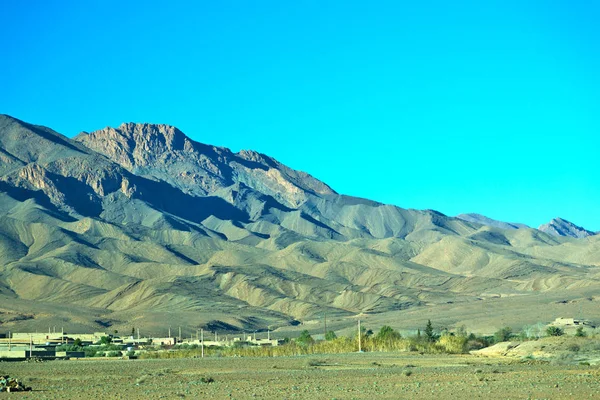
(140,223)
(556,227)
(561,227)
(483,220)
(197,166)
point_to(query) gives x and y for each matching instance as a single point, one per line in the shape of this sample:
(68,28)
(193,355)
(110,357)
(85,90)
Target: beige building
(52,337)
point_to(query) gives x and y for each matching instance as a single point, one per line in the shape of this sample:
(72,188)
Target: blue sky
(488,107)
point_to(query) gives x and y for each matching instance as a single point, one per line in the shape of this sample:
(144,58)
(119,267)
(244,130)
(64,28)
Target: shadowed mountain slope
(142,225)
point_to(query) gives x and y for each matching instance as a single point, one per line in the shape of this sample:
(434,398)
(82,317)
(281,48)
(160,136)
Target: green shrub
(90,352)
(387,333)
(503,335)
(574,347)
(305,339)
(554,331)
(579,332)
(386,338)
(105,340)
(69,347)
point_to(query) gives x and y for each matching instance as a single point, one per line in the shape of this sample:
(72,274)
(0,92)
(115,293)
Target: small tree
(77,342)
(554,331)
(387,333)
(503,334)
(330,336)
(105,340)
(462,331)
(305,339)
(579,332)
(429,334)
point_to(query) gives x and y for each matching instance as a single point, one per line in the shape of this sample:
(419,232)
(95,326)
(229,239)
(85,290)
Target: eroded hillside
(140,225)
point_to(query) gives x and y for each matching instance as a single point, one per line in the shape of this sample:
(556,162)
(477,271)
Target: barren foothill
(345,376)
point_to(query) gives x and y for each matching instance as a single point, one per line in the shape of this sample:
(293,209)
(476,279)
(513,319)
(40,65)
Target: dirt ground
(347,376)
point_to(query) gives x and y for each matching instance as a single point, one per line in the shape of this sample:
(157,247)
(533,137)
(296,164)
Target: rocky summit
(561,227)
(140,225)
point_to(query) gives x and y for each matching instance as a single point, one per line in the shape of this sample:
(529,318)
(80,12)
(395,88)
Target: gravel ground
(348,376)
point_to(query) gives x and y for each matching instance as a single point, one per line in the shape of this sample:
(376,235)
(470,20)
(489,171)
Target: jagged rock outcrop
(164,153)
(562,227)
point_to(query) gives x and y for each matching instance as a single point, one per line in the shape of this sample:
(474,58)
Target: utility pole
(268,333)
(202,341)
(30,346)
(138,332)
(180,334)
(169,332)
(197,338)
(9,340)
(359,339)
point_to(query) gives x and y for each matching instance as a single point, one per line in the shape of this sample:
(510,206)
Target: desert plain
(339,376)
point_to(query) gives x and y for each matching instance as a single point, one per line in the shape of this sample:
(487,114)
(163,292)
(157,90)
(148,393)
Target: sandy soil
(348,376)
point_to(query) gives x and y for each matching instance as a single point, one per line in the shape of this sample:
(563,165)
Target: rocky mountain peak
(168,135)
(163,152)
(255,156)
(135,145)
(562,227)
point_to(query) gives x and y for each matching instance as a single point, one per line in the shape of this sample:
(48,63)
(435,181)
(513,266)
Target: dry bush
(453,344)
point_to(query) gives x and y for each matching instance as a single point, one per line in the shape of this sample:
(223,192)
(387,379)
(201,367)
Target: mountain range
(141,226)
